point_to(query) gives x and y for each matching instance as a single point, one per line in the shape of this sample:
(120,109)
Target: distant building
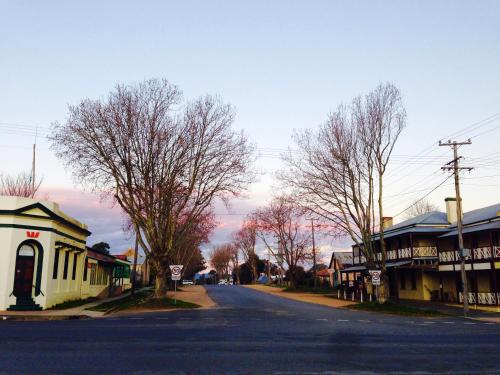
(339,261)
(422,256)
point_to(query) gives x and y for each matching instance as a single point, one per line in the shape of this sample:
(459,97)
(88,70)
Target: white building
(42,254)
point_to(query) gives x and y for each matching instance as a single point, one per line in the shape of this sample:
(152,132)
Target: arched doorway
(25,267)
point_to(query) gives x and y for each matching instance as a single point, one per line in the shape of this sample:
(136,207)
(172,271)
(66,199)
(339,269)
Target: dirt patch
(317,299)
(194,294)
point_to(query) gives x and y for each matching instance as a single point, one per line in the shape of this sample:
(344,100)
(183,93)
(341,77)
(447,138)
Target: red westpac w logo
(32,234)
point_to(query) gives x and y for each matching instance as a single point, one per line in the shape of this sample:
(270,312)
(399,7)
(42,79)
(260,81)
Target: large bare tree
(164,162)
(380,117)
(338,170)
(20,185)
(280,226)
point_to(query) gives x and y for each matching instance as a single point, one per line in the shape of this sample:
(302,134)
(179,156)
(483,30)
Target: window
(56,264)
(413,280)
(85,269)
(93,276)
(66,259)
(75,260)
(402,280)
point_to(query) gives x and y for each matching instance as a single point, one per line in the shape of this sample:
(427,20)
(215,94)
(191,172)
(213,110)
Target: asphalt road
(251,332)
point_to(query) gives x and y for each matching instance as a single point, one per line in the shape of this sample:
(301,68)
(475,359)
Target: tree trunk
(383,288)
(160,283)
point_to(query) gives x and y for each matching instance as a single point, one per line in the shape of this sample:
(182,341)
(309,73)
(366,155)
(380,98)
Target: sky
(284,65)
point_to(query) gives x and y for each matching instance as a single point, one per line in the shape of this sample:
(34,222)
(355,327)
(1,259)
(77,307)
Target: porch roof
(474,228)
(354,269)
(414,229)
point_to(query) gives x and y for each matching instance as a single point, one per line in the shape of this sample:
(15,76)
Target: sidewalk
(78,312)
(319,299)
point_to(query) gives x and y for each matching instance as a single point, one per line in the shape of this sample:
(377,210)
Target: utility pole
(136,253)
(268,265)
(33,166)
(314,254)
(453,165)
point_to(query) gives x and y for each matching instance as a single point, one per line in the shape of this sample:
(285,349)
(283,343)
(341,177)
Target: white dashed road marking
(136,318)
(469,323)
(363,321)
(449,322)
(323,320)
(342,320)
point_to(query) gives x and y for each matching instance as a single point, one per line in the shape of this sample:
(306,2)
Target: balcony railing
(448,256)
(482,253)
(404,253)
(482,298)
(496,251)
(392,254)
(425,251)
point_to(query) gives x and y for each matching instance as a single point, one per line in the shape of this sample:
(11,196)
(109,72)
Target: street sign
(176,271)
(375,277)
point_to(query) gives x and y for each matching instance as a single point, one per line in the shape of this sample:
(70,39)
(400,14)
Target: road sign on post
(375,275)
(176,271)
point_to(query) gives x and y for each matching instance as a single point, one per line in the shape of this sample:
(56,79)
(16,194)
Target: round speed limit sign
(176,271)
(375,277)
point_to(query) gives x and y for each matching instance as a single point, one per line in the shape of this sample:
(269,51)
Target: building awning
(354,269)
(474,228)
(398,263)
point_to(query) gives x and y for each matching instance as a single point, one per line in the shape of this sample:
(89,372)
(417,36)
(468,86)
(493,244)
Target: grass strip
(141,300)
(70,304)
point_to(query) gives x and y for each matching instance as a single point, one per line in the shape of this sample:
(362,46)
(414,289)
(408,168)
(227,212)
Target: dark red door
(23,280)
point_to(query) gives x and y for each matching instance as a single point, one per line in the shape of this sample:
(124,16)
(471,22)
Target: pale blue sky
(283,64)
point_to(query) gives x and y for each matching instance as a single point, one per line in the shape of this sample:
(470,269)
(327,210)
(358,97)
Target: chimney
(386,222)
(451,209)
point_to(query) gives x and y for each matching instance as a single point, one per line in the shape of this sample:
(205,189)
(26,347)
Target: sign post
(176,271)
(375,276)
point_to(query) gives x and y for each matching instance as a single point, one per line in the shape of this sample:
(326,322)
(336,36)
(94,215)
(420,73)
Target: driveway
(251,332)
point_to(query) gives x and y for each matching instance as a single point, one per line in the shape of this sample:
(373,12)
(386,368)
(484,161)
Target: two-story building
(422,256)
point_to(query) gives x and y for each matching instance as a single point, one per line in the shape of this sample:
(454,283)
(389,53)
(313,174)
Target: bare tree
(380,117)
(420,207)
(20,185)
(245,240)
(220,259)
(164,163)
(331,174)
(281,221)
(338,170)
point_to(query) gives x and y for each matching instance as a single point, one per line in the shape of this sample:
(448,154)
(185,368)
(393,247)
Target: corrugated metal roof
(474,228)
(415,229)
(481,214)
(430,218)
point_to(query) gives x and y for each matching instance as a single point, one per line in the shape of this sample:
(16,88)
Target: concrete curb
(43,317)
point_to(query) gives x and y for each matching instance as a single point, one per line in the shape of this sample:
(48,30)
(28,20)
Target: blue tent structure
(263,279)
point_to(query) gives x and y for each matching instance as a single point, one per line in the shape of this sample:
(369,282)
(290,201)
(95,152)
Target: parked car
(222,282)
(187,282)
